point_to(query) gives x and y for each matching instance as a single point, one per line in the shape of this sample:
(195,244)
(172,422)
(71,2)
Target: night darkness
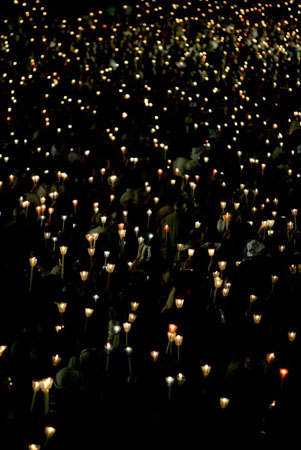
(150,266)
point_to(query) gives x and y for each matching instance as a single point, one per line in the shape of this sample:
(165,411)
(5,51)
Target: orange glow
(172,328)
(283,373)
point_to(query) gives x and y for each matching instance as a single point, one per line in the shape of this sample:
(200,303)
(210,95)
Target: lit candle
(126,326)
(222,265)
(108,349)
(88,313)
(149,213)
(103,221)
(178,341)
(75,203)
(91,252)
(134,306)
(102,172)
(154,354)
(180,378)
(36,387)
(63,251)
(49,431)
(129,352)
(166,231)
(227,218)
(294,214)
(179,302)
(169,381)
(206,369)
(224,402)
(56,359)
(106,255)
(46,384)
(223,206)
(179,249)
(218,282)
(291,336)
(257,318)
(283,374)
(32,261)
(110,269)
(270,357)
(2,349)
(190,252)
(64,218)
(132,317)
(89,238)
(171,334)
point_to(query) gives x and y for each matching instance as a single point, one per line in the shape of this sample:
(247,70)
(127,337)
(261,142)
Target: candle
(36,387)
(32,261)
(134,306)
(291,336)
(169,381)
(224,402)
(102,172)
(116,331)
(270,357)
(129,352)
(88,313)
(84,276)
(75,203)
(223,205)
(126,326)
(91,252)
(63,251)
(191,252)
(103,221)
(179,249)
(49,431)
(222,265)
(166,230)
(56,359)
(211,252)
(178,341)
(149,213)
(257,318)
(206,369)
(132,317)
(108,348)
(64,218)
(217,284)
(154,354)
(227,218)
(179,302)
(45,385)
(294,214)
(180,378)
(89,238)
(283,374)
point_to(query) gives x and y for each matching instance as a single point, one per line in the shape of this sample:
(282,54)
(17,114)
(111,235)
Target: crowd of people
(150,248)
